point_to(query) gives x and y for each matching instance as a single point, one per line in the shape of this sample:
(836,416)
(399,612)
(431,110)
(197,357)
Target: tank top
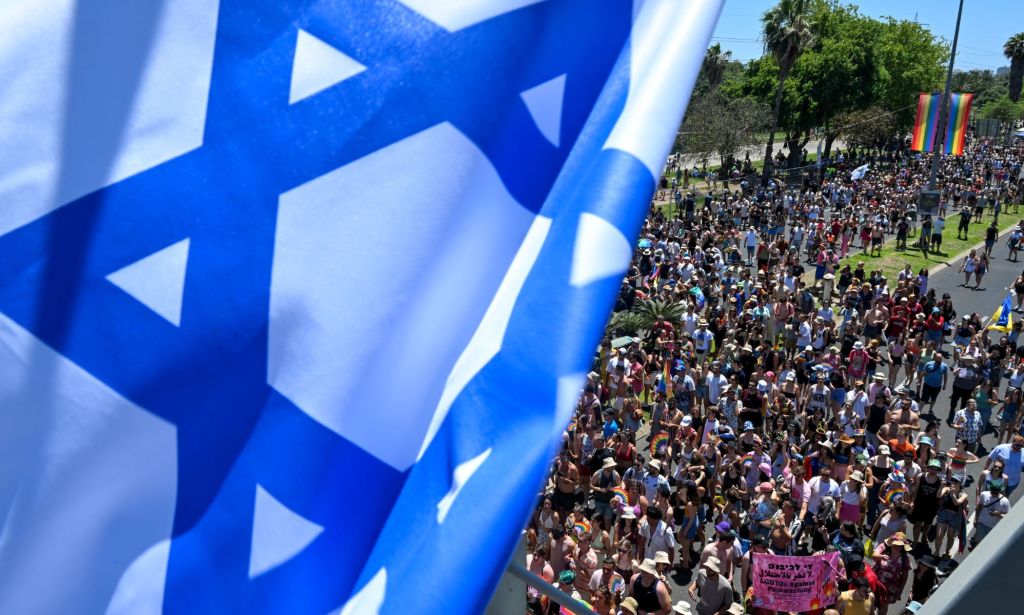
(647,597)
(949,502)
(880,474)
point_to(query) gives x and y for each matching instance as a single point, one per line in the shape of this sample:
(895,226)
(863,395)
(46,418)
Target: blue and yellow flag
(1002,320)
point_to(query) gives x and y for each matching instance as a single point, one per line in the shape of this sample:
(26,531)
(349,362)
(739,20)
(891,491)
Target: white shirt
(989,505)
(803,337)
(858,401)
(660,539)
(702,339)
(715,386)
(820,489)
(690,321)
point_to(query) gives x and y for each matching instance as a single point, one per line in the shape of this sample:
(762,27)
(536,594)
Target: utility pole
(944,108)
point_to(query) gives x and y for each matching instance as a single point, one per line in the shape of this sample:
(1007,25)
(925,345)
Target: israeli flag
(296,296)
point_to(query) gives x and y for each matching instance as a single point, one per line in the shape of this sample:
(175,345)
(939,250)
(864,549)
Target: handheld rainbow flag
(621,494)
(926,123)
(582,526)
(659,442)
(1002,320)
(748,459)
(956,125)
(894,493)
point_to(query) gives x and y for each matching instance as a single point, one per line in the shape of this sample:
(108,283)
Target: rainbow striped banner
(927,122)
(956,127)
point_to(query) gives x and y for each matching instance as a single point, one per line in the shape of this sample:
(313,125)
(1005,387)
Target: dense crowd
(783,401)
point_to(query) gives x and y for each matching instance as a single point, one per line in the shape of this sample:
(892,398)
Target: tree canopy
(854,63)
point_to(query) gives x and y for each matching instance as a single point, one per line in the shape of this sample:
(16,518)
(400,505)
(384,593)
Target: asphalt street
(984,301)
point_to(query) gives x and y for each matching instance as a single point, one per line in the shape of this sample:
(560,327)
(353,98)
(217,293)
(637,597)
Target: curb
(949,263)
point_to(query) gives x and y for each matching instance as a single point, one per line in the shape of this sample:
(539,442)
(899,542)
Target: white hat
(654,463)
(687,420)
(762,386)
(661,557)
(682,607)
(628,513)
(608,463)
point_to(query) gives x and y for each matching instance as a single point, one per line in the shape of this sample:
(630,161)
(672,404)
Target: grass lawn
(891,261)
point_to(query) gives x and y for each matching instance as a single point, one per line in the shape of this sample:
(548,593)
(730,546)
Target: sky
(984,27)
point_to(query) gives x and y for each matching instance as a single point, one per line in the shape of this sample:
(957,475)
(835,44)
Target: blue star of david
(208,377)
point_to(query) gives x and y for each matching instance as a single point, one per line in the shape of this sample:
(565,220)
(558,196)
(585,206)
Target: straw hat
(649,566)
(712,564)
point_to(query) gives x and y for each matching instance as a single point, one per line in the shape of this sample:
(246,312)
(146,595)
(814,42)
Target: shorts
(563,500)
(952,518)
(897,359)
(876,241)
(929,394)
(838,395)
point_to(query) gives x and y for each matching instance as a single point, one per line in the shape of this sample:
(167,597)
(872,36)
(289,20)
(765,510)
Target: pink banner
(784,583)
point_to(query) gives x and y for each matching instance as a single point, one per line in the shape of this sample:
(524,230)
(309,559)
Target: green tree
(1014,50)
(867,128)
(716,125)
(911,60)
(788,30)
(715,64)
(985,84)
(1002,109)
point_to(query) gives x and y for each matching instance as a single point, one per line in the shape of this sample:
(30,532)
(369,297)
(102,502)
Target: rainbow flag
(582,526)
(666,378)
(659,442)
(926,123)
(956,126)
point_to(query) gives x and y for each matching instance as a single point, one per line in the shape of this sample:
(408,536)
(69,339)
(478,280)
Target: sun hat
(629,605)
(712,564)
(924,440)
(883,449)
(857,475)
(661,557)
(654,463)
(765,487)
(878,377)
(608,463)
(682,607)
(648,566)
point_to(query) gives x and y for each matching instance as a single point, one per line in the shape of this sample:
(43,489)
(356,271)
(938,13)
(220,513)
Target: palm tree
(788,30)
(1014,50)
(714,65)
(654,311)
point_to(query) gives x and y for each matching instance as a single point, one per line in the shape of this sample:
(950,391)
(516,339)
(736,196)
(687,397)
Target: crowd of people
(768,415)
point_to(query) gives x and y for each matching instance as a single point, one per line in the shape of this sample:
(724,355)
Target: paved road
(965,301)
